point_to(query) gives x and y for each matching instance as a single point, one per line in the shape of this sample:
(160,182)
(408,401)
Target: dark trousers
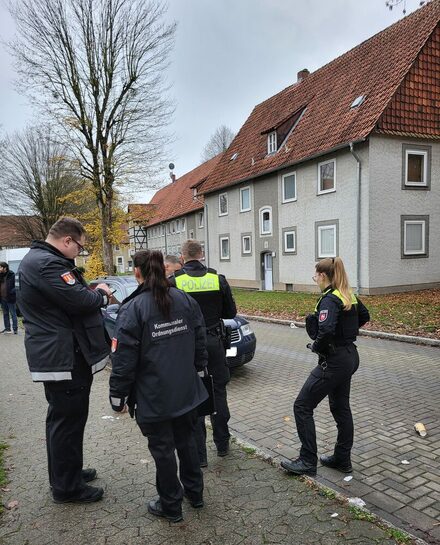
(164,438)
(335,383)
(9,309)
(65,422)
(219,370)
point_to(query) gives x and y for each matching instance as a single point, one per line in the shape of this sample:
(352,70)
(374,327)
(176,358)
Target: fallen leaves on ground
(414,313)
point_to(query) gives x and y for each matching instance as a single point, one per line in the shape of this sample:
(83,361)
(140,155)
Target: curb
(426,341)
(274,462)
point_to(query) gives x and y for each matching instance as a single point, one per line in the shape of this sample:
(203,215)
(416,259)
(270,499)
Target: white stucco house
(346,161)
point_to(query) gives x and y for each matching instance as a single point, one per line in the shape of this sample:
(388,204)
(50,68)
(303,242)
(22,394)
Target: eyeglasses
(82,250)
(315,277)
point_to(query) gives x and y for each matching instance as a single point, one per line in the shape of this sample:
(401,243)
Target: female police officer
(333,328)
(159,345)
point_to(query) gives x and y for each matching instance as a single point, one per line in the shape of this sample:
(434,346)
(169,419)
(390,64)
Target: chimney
(302,74)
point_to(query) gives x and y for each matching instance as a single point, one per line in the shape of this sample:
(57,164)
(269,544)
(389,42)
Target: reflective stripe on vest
(193,284)
(338,294)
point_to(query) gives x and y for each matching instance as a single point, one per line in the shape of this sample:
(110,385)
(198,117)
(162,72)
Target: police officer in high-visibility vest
(333,327)
(213,294)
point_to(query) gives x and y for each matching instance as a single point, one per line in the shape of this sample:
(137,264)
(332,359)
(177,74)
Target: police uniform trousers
(164,438)
(219,370)
(334,382)
(65,422)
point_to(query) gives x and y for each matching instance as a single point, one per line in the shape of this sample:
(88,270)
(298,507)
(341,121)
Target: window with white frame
(162,230)
(289,187)
(191,234)
(245,199)
(224,248)
(200,220)
(415,236)
(416,168)
(327,243)
(266,221)
(272,142)
(246,244)
(327,177)
(182,224)
(290,241)
(223,204)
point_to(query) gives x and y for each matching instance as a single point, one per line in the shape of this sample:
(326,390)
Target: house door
(267,271)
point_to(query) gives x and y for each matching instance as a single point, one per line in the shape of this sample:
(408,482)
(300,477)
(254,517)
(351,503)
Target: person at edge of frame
(66,344)
(159,345)
(8,299)
(213,294)
(172,264)
(333,328)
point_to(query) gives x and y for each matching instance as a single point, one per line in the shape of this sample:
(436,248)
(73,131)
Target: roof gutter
(288,165)
(358,218)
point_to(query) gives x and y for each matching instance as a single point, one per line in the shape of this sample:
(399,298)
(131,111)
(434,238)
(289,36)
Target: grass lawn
(414,313)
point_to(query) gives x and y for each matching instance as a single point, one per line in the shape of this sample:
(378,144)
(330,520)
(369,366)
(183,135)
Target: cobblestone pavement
(248,501)
(396,386)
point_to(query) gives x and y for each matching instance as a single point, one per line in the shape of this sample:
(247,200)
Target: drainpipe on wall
(358,214)
(166,242)
(205,212)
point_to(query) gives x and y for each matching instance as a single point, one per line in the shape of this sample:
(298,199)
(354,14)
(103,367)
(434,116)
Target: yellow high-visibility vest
(197,284)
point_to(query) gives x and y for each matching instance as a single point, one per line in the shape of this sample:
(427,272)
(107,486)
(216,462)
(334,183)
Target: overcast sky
(230,55)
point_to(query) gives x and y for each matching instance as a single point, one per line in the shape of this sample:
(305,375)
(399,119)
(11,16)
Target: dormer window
(272,142)
(278,133)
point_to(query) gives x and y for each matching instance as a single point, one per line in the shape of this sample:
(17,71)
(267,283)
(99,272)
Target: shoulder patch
(68,278)
(323,315)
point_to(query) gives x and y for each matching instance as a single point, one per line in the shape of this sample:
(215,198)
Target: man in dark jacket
(213,294)
(7,297)
(159,345)
(65,345)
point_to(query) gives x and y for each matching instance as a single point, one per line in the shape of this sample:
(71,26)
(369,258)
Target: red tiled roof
(375,68)
(414,109)
(13,232)
(176,199)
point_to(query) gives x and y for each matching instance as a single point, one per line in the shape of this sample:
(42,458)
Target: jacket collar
(193,265)
(43,245)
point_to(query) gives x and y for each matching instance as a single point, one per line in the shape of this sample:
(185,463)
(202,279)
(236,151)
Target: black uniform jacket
(9,279)
(60,312)
(336,326)
(214,305)
(155,359)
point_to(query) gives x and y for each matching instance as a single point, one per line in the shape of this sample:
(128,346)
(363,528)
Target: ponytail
(152,268)
(335,270)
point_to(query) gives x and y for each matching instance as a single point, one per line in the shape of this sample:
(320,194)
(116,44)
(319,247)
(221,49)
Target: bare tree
(96,66)
(37,182)
(218,143)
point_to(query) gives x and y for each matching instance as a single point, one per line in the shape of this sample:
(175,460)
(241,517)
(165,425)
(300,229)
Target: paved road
(248,501)
(396,385)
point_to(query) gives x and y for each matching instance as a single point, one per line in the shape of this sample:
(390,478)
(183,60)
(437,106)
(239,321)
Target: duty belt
(215,330)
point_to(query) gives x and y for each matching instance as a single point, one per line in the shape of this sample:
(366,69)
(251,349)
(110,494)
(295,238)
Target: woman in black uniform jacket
(333,327)
(159,345)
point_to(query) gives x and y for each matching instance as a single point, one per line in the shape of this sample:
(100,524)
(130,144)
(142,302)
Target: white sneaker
(7,332)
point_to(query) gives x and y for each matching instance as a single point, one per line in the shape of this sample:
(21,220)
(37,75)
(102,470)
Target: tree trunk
(107,247)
